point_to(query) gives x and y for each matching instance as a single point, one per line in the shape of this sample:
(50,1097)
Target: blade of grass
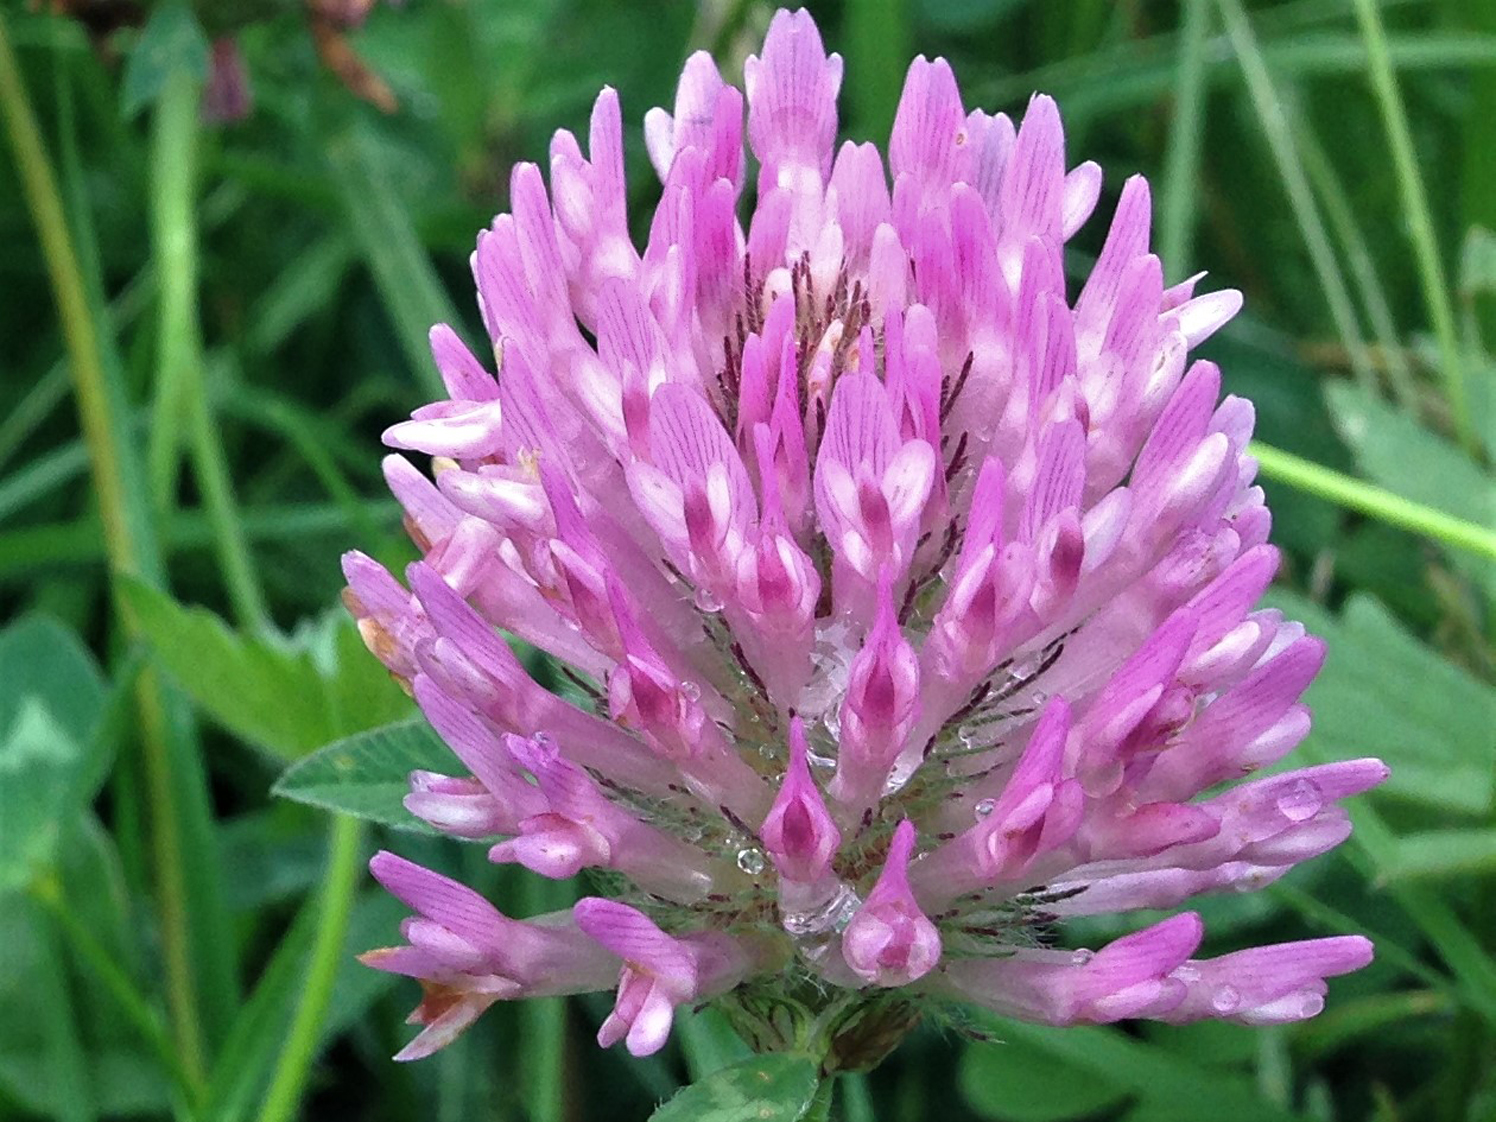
(114,981)
(303,1039)
(1420,220)
(42,475)
(198,955)
(46,394)
(1270,113)
(287,419)
(1178,212)
(64,1045)
(1336,201)
(1122,79)
(1430,911)
(379,225)
(24,552)
(1384,506)
(181,396)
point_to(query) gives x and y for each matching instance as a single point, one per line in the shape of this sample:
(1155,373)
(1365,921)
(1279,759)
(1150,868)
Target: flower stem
(295,1063)
(1415,205)
(1343,490)
(820,1106)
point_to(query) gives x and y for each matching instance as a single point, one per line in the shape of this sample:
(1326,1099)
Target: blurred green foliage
(257,295)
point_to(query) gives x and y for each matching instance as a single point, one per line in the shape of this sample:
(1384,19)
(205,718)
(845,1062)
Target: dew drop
(985,808)
(827,915)
(690,690)
(1023,670)
(1187,974)
(1038,697)
(831,722)
(815,759)
(542,740)
(751,861)
(708,601)
(1227,999)
(1082,957)
(1301,801)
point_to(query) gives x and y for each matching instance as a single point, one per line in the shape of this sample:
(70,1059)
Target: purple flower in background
(905,602)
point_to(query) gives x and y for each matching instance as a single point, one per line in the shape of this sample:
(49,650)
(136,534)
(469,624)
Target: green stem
(173,187)
(304,1038)
(542,1022)
(1415,206)
(820,1106)
(118,985)
(1269,108)
(126,534)
(39,185)
(1182,162)
(857,1099)
(181,396)
(1384,506)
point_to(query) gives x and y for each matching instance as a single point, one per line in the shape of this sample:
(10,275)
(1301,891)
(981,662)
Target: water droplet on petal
(1082,957)
(708,601)
(815,759)
(691,691)
(831,914)
(986,807)
(1187,974)
(751,861)
(1227,999)
(542,740)
(1301,801)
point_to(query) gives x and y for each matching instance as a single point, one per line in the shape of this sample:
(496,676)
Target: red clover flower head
(904,600)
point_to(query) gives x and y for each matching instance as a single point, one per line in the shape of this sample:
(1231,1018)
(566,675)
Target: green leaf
(39,767)
(55,740)
(172,41)
(267,695)
(42,659)
(1442,853)
(775,1088)
(287,696)
(367,775)
(1383,693)
(1013,1081)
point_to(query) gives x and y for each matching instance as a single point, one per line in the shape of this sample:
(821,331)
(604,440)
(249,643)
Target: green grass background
(204,329)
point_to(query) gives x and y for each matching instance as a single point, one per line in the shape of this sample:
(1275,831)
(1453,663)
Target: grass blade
(1416,208)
